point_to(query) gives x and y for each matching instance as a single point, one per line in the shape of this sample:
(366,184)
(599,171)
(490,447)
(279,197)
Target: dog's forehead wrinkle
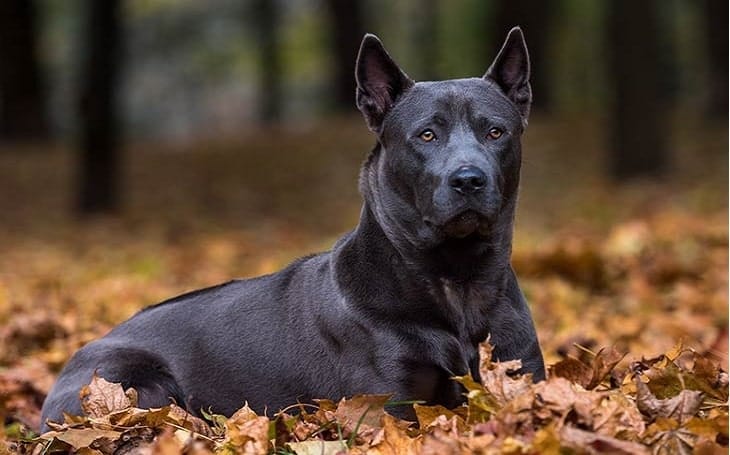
(469,99)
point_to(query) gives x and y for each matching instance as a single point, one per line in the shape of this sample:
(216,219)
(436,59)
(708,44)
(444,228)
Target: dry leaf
(318,447)
(394,441)
(361,414)
(247,432)
(80,438)
(427,416)
(681,407)
(573,370)
(588,442)
(100,398)
(604,362)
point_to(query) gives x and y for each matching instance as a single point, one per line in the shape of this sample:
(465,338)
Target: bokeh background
(150,147)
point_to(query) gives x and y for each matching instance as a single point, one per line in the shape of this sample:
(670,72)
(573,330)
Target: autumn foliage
(628,288)
(673,403)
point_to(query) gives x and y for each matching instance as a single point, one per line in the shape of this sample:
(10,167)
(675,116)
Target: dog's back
(212,346)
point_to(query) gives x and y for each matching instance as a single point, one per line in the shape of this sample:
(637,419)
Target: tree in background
(637,134)
(265,22)
(22,98)
(716,26)
(534,17)
(424,33)
(98,190)
(346,17)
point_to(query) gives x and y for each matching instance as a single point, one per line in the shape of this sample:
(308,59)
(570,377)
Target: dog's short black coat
(398,305)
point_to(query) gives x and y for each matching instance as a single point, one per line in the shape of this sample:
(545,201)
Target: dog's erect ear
(511,71)
(379,81)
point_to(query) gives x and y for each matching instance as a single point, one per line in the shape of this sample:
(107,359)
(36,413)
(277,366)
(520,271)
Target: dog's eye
(427,136)
(494,133)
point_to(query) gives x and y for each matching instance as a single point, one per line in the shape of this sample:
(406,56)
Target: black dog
(398,306)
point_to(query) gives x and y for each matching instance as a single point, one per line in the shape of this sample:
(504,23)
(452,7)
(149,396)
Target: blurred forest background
(149,147)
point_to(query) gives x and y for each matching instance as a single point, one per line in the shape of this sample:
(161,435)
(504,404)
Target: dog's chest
(462,313)
(465,308)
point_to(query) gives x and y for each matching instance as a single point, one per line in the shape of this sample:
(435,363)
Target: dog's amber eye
(494,133)
(427,136)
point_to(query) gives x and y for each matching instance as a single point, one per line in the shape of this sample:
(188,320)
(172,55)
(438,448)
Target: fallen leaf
(248,433)
(681,407)
(100,398)
(361,414)
(81,438)
(317,447)
(427,416)
(605,361)
(573,370)
(393,440)
(588,442)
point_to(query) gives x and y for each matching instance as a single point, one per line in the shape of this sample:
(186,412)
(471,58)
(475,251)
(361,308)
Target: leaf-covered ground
(628,287)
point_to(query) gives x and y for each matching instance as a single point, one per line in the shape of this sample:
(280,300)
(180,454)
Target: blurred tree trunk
(425,39)
(99,141)
(347,32)
(534,17)
(637,133)
(716,25)
(22,101)
(265,16)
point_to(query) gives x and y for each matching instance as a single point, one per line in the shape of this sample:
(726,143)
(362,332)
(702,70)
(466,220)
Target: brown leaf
(586,441)
(393,440)
(603,363)
(427,416)
(500,386)
(710,376)
(442,443)
(667,436)
(318,447)
(557,394)
(681,407)
(183,418)
(573,370)
(361,411)
(130,417)
(100,398)
(588,376)
(248,433)
(614,414)
(167,444)
(80,438)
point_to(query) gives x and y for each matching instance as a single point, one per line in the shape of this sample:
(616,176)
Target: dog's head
(448,160)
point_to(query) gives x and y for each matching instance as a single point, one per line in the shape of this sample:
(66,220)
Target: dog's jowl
(399,305)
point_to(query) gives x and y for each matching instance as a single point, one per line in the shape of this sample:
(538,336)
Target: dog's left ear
(511,71)
(379,82)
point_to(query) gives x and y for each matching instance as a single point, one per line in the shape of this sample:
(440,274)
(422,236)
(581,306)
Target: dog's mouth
(465,224)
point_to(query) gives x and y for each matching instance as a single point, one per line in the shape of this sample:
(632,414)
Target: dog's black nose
(467,180)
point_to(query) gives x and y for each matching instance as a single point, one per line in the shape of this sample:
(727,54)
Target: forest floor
(637,268)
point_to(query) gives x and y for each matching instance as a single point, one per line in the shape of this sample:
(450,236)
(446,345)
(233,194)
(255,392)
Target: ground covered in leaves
(628,286)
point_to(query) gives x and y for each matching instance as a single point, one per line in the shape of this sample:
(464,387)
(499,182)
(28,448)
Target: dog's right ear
(379,82)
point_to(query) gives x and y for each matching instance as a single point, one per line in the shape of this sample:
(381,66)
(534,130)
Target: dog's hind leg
(142,370)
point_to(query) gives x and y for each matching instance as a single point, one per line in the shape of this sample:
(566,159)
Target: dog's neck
(431,291)
(470,261)
(389,286)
